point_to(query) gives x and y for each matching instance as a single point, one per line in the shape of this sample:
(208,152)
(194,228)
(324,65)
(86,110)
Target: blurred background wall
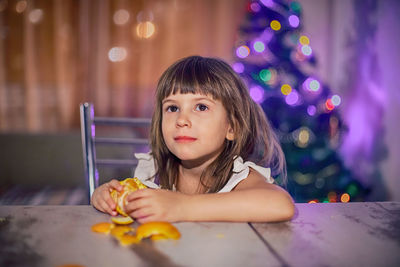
(57,54)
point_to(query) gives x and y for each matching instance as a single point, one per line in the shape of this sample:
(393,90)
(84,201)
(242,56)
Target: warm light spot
(304,137)
(275,25)
(21,6)
(328,104)
(332,196)
(345,198)
(121,17)
(36,15)
(304,40)
(313,201)
(145,29)
(286,89)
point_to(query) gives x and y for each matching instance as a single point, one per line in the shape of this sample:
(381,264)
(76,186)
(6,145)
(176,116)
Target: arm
(253,199)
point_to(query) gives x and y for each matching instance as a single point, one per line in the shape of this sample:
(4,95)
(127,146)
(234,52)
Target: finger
(107,208)
(142,213)
(114,184)
(151,218)
(141,193)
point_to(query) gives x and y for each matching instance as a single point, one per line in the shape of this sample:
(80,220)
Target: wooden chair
(90,141)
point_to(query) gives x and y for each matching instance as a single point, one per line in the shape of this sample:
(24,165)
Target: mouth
(184,139)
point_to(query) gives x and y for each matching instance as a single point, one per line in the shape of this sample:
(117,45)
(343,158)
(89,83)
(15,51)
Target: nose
(183,120)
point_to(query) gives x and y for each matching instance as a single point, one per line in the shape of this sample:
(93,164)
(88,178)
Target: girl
(204,129)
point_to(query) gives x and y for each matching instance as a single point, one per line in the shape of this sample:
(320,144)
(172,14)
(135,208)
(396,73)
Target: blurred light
(313,201)
(292,98)
(242,51)
(352,190)
(286,89)
(332,196)
(295,6)
(304,40)
(329,105)
(311,110)
(319,183)
(238,67)
(145,29)
(275,25)
(121,17)
(117,54)
(21,6)
(3,5)
(267,3)
(294,21)
(303,138)
(314,85)
(265,75)
(36,15)
(336,100)
(306,50)
(257,94)
(255,7)
(259,46)
(345,198)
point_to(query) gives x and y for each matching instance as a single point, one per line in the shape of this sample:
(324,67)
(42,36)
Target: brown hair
(254,137)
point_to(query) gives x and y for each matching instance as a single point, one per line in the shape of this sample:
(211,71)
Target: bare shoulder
(255,180)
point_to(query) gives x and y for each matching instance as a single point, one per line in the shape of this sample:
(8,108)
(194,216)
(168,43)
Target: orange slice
(122,220)
(126,240)
(129,185)
(103,227)
(119,230)
(158,229)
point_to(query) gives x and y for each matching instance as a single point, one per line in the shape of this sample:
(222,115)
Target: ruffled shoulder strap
(241,171)
(145,170)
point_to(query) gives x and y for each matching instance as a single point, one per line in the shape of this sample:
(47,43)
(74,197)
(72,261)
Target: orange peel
(157,230)
(120,230)
(127,239)
(103,227)
(122,220)
(129,185)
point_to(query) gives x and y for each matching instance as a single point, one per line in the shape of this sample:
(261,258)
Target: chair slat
(121,141)
(117,162)
(122,121)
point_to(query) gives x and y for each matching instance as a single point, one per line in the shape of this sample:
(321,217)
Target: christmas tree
(277,63)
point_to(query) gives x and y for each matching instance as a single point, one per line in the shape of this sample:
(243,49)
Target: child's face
(194,127)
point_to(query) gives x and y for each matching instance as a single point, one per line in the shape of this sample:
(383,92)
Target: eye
(171,108)
(201,107)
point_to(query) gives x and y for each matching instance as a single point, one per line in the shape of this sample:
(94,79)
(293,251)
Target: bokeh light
(121,17)
(257,93)
(292,98)
(238,67)
(304,40)
(145,29)
(255,7)
(313,201)
(117,54)
(303,138)
(311,84)
(265,75)
(328,104)
(332,196)
(36,15)
(295,6)
(345,198)
(294,21)
(259,46)
(267,3)
(21,6)
(242,51)
(336,100)
(286,89)
(275,25)
(311,110)
(306,50)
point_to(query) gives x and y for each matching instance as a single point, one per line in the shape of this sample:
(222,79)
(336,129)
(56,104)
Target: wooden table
(352,234)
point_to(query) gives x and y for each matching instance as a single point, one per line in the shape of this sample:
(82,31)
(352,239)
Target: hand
(101,198)
(147,205)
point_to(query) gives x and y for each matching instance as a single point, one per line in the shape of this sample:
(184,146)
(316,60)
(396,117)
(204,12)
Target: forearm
(255,205)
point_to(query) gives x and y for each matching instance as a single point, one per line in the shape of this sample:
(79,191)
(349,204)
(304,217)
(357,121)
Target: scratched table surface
(351,234)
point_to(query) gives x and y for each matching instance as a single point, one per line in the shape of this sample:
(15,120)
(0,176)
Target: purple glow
(242,51)
(238,67)
(311,84)
(255,7)
(267,3)
(294,21)
(292,98)
(311,110)
(257,94)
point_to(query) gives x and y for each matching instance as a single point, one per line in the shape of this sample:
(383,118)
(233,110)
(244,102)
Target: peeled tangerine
(130,185)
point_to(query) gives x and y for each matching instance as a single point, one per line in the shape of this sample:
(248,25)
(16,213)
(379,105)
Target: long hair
(254,138)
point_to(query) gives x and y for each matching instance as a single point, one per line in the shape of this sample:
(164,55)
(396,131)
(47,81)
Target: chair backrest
(89,143)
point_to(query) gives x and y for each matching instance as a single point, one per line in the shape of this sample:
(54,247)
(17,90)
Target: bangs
(194,75)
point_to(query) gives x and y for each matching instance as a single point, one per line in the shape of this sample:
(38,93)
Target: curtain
(57,54)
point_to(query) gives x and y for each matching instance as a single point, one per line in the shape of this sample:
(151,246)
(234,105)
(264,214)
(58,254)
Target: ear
(230,135)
